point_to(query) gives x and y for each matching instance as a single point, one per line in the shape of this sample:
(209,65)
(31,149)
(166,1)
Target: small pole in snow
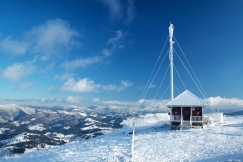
(133,133)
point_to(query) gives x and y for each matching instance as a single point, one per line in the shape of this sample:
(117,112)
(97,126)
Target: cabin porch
(186,117)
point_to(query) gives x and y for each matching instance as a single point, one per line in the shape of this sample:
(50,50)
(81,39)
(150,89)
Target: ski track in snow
(153,144)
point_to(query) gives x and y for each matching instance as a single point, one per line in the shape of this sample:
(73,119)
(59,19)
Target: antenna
(171,28)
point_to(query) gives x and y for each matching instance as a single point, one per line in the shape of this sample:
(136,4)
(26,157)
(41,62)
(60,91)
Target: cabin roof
(187,99)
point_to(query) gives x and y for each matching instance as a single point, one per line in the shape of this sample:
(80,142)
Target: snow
(11,111)
(83,114)
(2,130)
(216,142)
(112,121)
(90,127)
(67,127)
(56,125)
(96,127)
(91,121)
(58,135)
(47,134)
(94,115)
(217,117)
(25,122)
(16,139)
(16,123)
(38,127)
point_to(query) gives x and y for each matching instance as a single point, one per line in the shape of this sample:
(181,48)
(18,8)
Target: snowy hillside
(10,111)
(152,143)
(29,127)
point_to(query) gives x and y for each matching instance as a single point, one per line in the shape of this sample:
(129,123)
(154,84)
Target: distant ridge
(235,113)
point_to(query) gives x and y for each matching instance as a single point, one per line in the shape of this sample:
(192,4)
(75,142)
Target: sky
(102,52)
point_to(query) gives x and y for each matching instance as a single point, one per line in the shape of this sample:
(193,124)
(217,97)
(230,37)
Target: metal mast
(171,28)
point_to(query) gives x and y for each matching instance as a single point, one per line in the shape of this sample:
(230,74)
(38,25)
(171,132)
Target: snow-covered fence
(146,120)
(217,117)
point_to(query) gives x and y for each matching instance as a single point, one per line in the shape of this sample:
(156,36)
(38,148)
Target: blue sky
(102,52)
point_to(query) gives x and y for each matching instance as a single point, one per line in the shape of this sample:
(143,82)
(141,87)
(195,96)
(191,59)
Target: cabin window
(176,111)
(198,111)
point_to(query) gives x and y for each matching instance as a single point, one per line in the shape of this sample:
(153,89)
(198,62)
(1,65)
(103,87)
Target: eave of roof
(187,99)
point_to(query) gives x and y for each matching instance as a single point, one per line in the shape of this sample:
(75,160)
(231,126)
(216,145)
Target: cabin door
(186,112)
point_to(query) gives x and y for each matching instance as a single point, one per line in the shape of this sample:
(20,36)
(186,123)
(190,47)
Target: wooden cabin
(186,111)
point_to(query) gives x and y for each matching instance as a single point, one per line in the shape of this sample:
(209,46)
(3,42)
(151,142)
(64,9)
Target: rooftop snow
(187,99)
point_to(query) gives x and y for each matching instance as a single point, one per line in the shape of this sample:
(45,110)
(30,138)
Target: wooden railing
(196,118)
(193,118)
(176,117)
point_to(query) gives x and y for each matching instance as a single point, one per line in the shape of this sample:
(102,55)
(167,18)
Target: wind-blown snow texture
(152,143)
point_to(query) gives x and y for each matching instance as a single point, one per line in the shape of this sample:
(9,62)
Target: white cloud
(225,103)
(81,62)
(114,7)
(24,85)
(87,85)
(152,86)
(82,85)
(144,103)
(119,103)
(20,100)
(130,12)
(124,85)
(49,100)
(116,41)
(18,70)
(64,76)
(73,99)
(120,9)
(149,105)
(13,46)
(95,99)
(110,87)
(52,37)
(106,52)
(51,89)
(69,99)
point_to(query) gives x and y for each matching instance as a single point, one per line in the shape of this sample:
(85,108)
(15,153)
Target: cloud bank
(225,103)
(69,99)
(87,85)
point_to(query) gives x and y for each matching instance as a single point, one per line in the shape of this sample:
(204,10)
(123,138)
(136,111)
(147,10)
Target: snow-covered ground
(152,143)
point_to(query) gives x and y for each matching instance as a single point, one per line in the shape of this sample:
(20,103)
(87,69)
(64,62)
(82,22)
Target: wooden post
(181,118)
(191,117)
